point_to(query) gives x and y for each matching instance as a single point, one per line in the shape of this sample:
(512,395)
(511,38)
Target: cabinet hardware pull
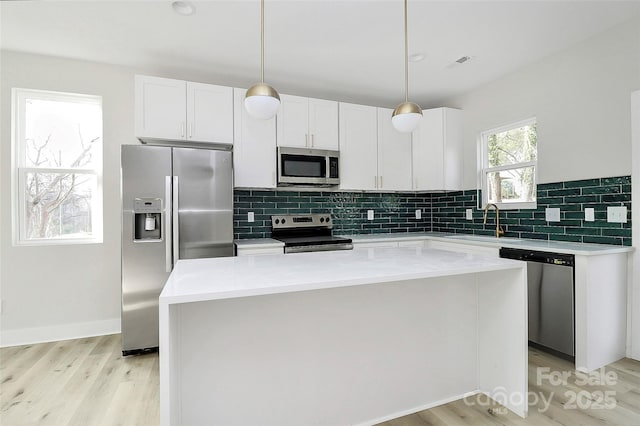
(191,130)
(311,140)
(306,140)
(380,181)
(182,129)
(375,181)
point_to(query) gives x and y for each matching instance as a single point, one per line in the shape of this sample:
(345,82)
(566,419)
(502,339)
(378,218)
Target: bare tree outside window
(59,153)
(509,164)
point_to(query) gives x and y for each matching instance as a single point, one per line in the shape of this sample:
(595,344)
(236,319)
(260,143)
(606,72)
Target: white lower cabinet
(375,244)
(253,251)
(254,148)
(464,248)
(412,243)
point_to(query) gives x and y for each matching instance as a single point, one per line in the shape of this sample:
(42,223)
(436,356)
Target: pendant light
(407,115)
(262,101)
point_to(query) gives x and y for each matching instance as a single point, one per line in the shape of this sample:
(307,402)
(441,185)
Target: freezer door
(146,264)
(203,203)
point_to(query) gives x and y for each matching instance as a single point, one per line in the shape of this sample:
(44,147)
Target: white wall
(634,293)
(65,291)
(580,97)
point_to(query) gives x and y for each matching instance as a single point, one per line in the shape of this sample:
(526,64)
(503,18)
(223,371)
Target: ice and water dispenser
(147,223)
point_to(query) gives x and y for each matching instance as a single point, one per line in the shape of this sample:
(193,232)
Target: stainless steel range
(306,233)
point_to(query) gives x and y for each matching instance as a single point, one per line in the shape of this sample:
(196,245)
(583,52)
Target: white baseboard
(29,336)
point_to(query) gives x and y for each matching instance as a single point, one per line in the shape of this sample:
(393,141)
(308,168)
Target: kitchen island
(336,338)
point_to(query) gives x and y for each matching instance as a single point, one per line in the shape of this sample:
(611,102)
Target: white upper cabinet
(307,123)
(358,147)
(167,109)
(437,151)
(394,155)
(160,108)
(210,113)
(323,124)
(254,148)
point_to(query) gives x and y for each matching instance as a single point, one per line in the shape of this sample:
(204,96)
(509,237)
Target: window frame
(19,170)
(484,169)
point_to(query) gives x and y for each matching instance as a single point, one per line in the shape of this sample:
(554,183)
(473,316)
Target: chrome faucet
(499,230)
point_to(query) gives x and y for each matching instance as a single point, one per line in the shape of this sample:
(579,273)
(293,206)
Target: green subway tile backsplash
(445,212)
(394,212)
(572,197)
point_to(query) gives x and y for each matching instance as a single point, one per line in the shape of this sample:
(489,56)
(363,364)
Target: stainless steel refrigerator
(177,203)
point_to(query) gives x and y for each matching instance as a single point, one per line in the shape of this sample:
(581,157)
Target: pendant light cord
(406,56)
(262,41)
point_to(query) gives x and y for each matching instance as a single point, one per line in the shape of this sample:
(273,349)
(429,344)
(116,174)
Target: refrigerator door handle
(176,222)
(167,213)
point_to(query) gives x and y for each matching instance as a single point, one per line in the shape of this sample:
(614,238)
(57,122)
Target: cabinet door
(293,121)
(437,151)
(254,148)
(453,151)
(209,113)
(428,151)
(358,147)
(160,108)
(323,124)
(394,155)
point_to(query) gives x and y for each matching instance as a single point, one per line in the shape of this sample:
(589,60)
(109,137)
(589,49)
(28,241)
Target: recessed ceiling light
(183,8)
(417,57)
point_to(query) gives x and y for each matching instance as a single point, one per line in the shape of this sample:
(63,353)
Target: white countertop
(487,241)
(196,280)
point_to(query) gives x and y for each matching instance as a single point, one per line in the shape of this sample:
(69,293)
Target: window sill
(515,206)
(56,242)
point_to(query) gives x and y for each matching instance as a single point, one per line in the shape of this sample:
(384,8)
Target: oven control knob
(321,219)
(283,220)
(328,219)
(277,221)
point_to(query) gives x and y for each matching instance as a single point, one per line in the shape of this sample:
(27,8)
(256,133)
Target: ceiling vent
(461,60)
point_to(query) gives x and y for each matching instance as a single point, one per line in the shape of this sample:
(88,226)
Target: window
(508,165)
(57,173)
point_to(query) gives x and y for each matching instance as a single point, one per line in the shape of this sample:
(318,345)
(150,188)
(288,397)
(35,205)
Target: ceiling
(344,50)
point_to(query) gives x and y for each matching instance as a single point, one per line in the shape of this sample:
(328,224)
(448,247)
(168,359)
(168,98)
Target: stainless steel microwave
(301,166)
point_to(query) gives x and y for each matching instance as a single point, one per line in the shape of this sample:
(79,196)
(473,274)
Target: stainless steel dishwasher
(550,283)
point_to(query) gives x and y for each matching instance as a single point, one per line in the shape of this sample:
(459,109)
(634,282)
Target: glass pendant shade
(262,101)
(406,117)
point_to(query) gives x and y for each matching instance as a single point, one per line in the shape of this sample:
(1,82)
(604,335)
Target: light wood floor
(88,382)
